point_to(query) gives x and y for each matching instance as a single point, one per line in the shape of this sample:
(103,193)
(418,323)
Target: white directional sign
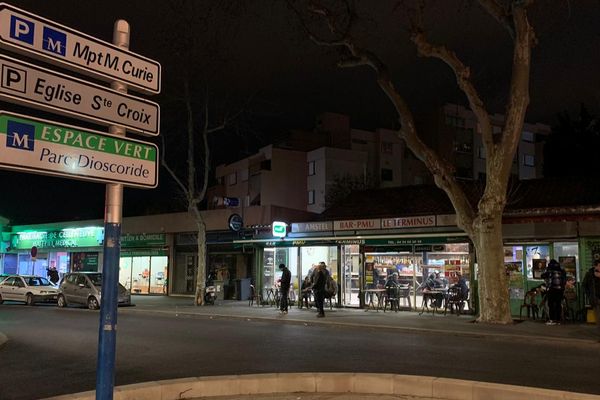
(30,85)
(52,148)
(38,37)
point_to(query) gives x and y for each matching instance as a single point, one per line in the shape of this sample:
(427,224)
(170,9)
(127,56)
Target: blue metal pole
(107,336)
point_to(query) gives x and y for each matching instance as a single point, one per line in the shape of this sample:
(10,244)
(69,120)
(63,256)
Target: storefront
(144,262)
(365,257)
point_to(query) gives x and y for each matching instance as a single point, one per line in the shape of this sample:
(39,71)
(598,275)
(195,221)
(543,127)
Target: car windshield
(38,281)
(96,279)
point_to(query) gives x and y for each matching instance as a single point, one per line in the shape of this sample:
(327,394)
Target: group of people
(436,282)
(315,281)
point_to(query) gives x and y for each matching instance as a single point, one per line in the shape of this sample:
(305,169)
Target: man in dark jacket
(556,279)
(591,285)
(318,287)
(284,288)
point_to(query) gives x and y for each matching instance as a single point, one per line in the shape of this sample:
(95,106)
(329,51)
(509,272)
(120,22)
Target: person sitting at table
(305,291)
(462,285)
(434,283)
(392,280)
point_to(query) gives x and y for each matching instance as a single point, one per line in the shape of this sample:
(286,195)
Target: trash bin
(242,289)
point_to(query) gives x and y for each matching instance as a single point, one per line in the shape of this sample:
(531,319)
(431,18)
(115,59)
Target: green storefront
(144,262)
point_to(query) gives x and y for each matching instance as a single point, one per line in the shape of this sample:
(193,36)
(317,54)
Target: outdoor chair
(254,296)
(530,304)
(454,299)
(391,298)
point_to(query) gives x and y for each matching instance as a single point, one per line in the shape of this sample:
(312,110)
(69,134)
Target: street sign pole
(107,337)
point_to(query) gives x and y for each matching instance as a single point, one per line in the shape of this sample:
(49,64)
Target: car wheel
(1,301)
(29,300)
(93,303)
(61,301)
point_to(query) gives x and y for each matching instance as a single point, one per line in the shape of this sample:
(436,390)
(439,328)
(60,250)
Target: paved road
(53,351)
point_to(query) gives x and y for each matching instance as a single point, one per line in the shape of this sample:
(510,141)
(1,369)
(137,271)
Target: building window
(497,129)
(311,168)
(529,160)
(455,121)
(387,174)
(244,175)
(232,179)
(482,152)
(528,137)
(387,147)
(311,197)
(265,165)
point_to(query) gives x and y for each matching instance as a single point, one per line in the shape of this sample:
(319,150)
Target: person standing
(556,279)
(284,288)
(591,285)
(318,287)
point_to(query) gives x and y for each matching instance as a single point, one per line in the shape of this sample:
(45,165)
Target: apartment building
(453,131)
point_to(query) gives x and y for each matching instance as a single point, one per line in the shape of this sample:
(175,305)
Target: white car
(28,289)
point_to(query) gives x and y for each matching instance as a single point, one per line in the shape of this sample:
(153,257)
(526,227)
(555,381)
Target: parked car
(28,289)
(86,288)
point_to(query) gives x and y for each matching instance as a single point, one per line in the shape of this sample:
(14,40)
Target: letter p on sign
(21,29)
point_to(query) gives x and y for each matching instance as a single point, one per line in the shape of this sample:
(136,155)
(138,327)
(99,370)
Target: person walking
(284,288)
(591,286)
(556,279)
(318,287)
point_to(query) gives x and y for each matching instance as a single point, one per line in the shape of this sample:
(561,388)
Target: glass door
(350,283)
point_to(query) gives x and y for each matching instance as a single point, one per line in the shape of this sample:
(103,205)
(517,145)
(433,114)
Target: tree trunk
(494,305)
(201,273)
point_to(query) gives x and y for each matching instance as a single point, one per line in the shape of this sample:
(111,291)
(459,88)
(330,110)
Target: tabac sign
(30,34)
(34,145)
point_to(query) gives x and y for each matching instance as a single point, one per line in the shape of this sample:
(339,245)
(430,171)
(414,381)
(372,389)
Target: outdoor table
(369,294)
(433,296)
(270,298)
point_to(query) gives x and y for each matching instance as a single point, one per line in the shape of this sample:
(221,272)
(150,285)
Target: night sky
(255,58)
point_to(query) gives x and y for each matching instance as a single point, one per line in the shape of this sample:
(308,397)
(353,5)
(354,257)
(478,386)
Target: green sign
(77,237)
(81,237)
(51,148)
(143,240)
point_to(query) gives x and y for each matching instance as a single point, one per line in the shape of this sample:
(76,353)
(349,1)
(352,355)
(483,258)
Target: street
(52,351)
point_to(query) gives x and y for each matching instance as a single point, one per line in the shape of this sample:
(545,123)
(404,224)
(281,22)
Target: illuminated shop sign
(279,229)
(77,237)
(81,237)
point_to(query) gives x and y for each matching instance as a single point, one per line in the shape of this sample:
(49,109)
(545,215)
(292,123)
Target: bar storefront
(362,254)
(144,262)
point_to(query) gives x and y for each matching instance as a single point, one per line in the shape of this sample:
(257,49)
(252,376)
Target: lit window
(232,179)
(528,137)
(311,168)
(482,152)
(529,160)
(311,197)
(387,147)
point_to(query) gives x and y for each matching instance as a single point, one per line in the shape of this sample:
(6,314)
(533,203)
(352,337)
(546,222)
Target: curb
(426,387)
(407,329)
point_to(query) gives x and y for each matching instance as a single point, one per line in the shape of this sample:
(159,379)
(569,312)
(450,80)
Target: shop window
(567,254)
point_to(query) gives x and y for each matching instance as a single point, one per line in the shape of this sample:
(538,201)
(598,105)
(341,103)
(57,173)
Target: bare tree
(197,51)
(335,20)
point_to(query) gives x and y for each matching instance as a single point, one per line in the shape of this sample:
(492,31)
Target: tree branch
(163,162)
(500,14)
(463,79)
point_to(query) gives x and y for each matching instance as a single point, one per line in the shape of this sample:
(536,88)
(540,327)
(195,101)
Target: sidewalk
(407,321)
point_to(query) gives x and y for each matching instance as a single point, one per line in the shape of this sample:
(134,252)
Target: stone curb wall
(388,384)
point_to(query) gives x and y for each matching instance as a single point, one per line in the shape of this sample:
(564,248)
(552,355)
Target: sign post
(107,337)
